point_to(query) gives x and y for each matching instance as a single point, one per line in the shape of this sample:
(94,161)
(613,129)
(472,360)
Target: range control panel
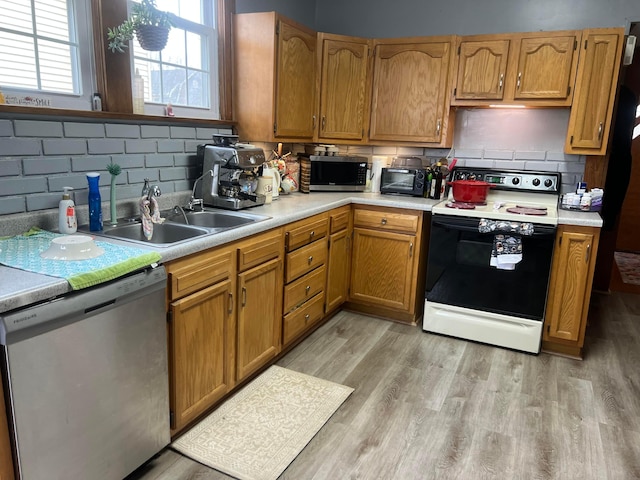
(515,180)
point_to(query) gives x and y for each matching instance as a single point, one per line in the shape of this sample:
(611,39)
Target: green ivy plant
(143,13)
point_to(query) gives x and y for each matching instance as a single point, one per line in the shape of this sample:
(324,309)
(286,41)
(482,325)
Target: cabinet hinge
(286,240)
(559,241)
(171,417)
(575,44)
(275,128)
(568,90)
(169,316)
(458,49)
(278,28)
(585,44)
(328,243)
(548,328)
(571,140)
(455,90)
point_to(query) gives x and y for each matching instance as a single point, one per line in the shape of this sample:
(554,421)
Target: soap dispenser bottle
(67,213)
(95,202)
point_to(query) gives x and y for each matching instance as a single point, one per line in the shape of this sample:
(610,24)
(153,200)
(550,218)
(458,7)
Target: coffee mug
(265,187)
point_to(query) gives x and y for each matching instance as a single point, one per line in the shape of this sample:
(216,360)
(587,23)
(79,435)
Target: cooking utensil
(472,191)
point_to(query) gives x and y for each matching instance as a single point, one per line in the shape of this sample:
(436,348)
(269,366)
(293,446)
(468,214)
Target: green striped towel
(23,252)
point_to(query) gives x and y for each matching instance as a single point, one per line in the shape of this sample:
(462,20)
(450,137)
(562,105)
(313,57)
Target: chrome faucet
(197,201)
(150,190)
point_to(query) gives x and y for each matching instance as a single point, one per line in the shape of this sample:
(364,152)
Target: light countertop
(19,288)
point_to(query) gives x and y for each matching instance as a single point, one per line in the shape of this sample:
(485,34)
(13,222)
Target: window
(185,72)
(45,51)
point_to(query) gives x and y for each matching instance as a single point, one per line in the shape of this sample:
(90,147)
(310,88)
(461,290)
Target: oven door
(459,274)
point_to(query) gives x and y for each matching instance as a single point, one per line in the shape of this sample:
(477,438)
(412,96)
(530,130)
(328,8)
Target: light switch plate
(628,50)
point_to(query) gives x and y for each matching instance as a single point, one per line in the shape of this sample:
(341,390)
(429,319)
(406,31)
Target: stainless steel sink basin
(164,234)
(213,219)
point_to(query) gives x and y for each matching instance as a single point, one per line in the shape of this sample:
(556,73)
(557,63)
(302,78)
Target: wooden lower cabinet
(570,289)
(6,461)
(259,316)
(386,263)
(201,333)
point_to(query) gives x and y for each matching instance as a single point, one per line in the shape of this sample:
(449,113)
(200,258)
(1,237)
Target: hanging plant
(150,26)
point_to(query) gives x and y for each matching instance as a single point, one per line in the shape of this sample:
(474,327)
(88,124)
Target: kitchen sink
(164,234)
(213,219)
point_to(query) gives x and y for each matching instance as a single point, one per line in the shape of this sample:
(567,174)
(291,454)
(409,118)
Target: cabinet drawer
(381,220)
(196,272)
(304,288)
(259,249)
(302,318)
(305,259)
(339,221)
(306,231)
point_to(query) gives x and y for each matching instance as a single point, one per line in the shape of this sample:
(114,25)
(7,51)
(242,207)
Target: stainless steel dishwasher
(86,375)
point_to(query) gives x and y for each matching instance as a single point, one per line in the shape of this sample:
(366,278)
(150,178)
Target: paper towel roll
(377,164)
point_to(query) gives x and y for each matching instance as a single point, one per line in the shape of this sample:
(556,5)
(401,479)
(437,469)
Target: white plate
(72,247)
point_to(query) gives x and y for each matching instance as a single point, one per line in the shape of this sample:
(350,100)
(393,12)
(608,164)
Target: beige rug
(258,432)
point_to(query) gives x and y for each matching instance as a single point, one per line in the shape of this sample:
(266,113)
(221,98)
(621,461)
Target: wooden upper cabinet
(482,66)
(275,78)
(596,85)
(535,68)
(344,86)
(410,84)
(546,67)
(296,75)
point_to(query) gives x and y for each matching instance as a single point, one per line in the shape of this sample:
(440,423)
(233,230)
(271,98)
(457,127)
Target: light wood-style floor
(432,407)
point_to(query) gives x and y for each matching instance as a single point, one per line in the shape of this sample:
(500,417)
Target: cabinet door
(295,82)
(409,90)
(590,119)
(259,316)
(482,66)
(545,67)
(338,269)
(343,88)
(570,287)
(382,268)
(201,340)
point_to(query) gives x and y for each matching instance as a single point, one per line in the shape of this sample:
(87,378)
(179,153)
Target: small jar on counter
(585,202)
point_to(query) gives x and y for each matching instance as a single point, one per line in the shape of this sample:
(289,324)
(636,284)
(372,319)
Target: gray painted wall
(400,18)
(303,11)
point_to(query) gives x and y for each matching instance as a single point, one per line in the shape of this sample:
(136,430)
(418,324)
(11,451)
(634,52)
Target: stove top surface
(521,196)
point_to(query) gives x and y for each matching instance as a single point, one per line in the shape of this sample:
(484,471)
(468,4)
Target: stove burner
(527,210)
(465,205)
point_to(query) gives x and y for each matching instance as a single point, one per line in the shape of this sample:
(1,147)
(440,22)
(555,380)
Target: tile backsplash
(40,157)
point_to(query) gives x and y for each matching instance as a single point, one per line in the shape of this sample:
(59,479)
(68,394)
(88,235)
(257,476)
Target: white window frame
(81,11)
(210,35)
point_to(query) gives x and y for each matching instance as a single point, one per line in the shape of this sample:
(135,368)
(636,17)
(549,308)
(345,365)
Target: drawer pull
(519,80)
(230,303)
(306,318)
(244,296)
(383,221)
(600,131)
(310,259)
(312,234)
(307,289)
(501,82)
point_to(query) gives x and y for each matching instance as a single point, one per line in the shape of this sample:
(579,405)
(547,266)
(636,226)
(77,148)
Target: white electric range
(467,295)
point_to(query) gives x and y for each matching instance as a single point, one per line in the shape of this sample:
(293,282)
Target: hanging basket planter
(152,38)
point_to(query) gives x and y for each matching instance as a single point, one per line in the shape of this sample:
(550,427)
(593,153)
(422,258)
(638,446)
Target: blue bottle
(95,202)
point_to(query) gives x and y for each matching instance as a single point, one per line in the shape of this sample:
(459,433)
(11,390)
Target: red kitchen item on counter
(472,191)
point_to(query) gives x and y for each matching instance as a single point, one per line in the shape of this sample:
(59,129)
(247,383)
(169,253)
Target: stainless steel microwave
(337,174)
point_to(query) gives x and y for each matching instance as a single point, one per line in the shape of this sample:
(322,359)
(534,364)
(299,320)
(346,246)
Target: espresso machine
(230,173)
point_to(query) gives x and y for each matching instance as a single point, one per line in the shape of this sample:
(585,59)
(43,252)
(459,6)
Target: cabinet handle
(244,296)
(312,234)
(600,131)
(306,318)
(411,250)
(501,82)
(306,289)
(383,221)
(314,122)
(519,79)
(586,260)
(324,121)
(438,126)
(230,303)
(310,259)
